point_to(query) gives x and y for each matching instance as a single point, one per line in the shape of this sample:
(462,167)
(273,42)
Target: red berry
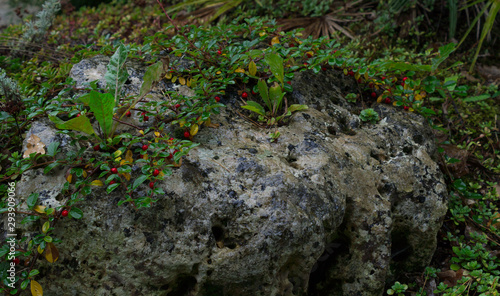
(323,68)
(64,213)
(309,55)
(387,100)
(112,182)
(177,106)
(171,139)
(306,64)
(151,185)
(217,99)
(289,82)
(114,170)
(170,156)
(370,85)
(374,94)
(169,49)
(156,172)
(219,52)
(244,95)
(383,77)
(143,113)
(359,80)
(351,73)
(146,118)
(406,108)
(144,147)
(186,134)
(97,147)
(253,93)
(78,115)
(405,78)
(16,261)
(403,84)
(128,114)
(335,51)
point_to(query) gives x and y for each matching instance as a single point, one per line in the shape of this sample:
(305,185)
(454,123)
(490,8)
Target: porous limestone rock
(329,209)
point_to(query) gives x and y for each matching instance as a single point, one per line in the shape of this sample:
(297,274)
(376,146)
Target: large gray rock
(327,210)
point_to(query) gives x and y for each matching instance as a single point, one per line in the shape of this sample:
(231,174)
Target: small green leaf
(254,109)
(154,73)
(477,98)
(139,181)
(297,107)
(264,93)
(276,96)
(275,63)
(76,213)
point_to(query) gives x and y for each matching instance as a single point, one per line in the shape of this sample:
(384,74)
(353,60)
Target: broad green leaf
(444,52)
(254,109)
(154,73)
(275,96)
(117,75)
(81,124)
(275,63)
(139,181)
(264,93)
(84,99)
(46,227)
(297,107)
(405,67)
(255,53)
(32,199)
(477,98)
(52,149)
(102,105)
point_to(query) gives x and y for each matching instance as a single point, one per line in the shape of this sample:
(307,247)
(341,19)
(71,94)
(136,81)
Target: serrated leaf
(48,168)
(252,68)
(257,110)
(80,123)
(97,183)
(117,75)
(32,199)
(51,253)
(102,105)
(477,98)
(52,149)
(36,288)
(276,96)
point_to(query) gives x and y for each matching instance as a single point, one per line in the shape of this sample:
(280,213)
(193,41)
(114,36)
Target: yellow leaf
(194,129)
(46,227)
(128,157)
(141,132)
(218,72)
(34,145)
(117,153)
(345,71)
(311,53)
(36,289)
(239,70)
(118,159)
(379,99)
(182,122)
(261,34)
(207,122)
(252,68)
(84,174)
(168,75)
(127,176)
(394,103)
(366,75)
(275,40)
(157,134)
(39,209)
(39,249)
(51,253)
(96,183)
(174,79)
(182,80)
(357,75)
(69,178)
(188,83)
